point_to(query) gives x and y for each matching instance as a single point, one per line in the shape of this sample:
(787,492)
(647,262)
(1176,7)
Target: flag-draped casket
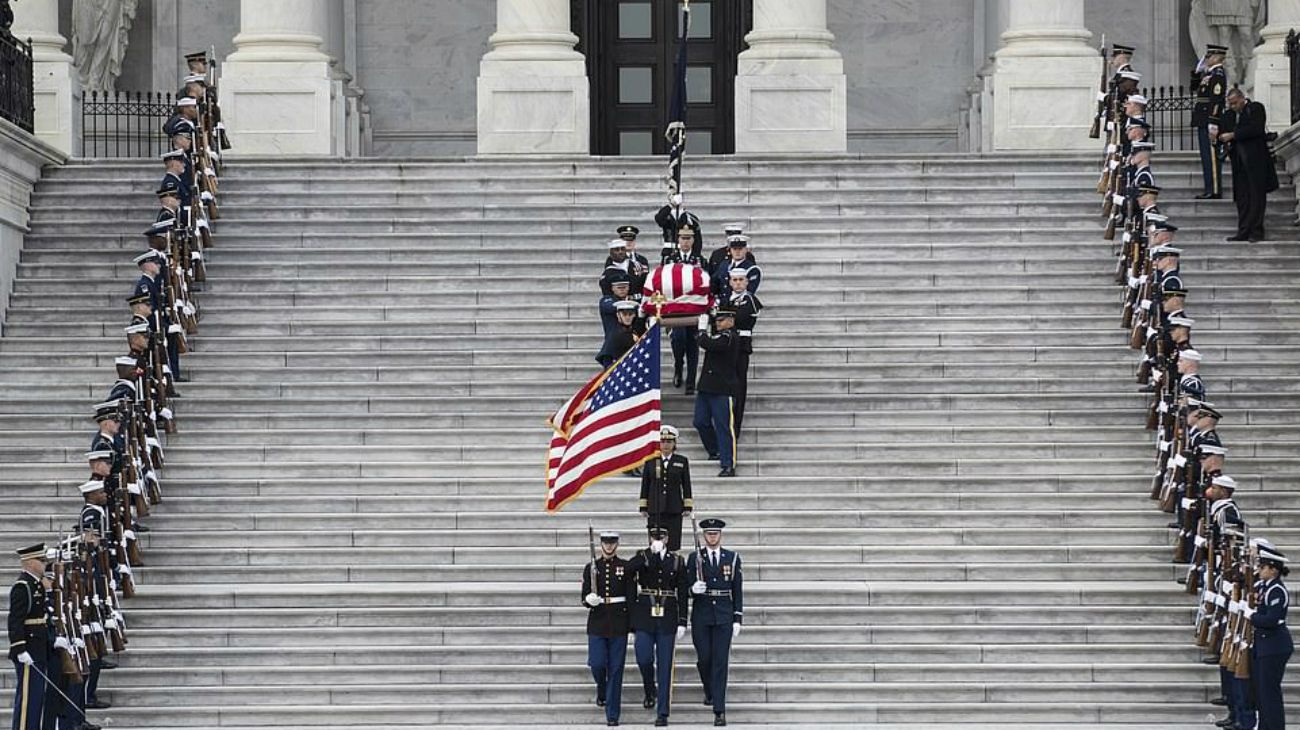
(682,289)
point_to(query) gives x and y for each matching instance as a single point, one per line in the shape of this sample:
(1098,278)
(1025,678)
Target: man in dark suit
(1252,165)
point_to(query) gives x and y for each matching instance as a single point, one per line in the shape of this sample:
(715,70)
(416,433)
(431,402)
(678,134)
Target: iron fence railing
(17,100)
(1169,109)
(125,123)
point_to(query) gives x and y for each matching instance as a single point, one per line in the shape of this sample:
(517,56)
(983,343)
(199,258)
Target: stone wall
(420,77)
(22,157)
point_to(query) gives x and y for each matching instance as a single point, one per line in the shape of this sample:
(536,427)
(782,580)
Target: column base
(278,108)
(55,91)
(788,113)
(1044,102)
(529,115)
(1272,84)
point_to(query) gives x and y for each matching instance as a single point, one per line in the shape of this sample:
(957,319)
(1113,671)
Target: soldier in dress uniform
(672,218)
(723,252)
(1211,83)
(607,591)
(617,288)
(174,162)
(1190,384)
(169,197)
(717,613)
(658,618)
(685,252)
(638,265)
(747,308)
(29,639)
(666,488)
(622,337)
(1272,648)
(738,258)
(715,401)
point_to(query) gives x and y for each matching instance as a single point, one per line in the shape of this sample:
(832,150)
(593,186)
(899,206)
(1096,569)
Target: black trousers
(670,521)
(742,373)
(1250,194)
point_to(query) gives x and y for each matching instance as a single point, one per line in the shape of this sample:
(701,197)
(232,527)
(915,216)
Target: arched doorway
(630,47)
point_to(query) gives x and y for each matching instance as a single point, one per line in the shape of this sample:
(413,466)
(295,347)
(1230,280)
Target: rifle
(1094,132)
(68,658)
(1241,668)
(699,550)
(104,593)
(591,545)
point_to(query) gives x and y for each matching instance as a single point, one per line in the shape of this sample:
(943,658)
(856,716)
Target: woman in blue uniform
(1272,647)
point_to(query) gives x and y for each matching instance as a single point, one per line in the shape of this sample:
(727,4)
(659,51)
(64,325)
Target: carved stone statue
(1232,23)
(99,40)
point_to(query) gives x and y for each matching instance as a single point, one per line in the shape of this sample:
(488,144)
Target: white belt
(613,599)
(745,333)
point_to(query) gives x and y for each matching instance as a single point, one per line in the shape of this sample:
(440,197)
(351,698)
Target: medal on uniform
(726,571)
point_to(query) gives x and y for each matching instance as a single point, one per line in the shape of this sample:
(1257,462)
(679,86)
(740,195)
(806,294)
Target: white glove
(681,631)
(25,658)
(1248,612)
(592,600)
(698,587)
(703,323)
(735,631)
(675,199)
(657,547)
(62,643)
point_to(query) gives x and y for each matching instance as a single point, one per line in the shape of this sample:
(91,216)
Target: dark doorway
(631,46)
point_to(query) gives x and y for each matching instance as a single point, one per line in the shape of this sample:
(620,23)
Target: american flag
(609,426)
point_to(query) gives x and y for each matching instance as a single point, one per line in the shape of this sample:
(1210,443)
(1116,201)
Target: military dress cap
(712,524)
(1137,99)
(614,275)
(1207,410)
(1181,321)
(1212,49)
(99,455)
(628,231)
(686,231)
(174,155)
(1263,542)
(197,56)
(1149,189)
(185,101)
(1224,482)
(196,79)
(94,485)
(738,274)
(159,229)
(609,536)
(1160,252)
(657,531)
(1272,558)
(135,299)
(667,432)
(1139,122)
(1164,225)
(183,131)
(108,409)
(125,360)
(137,329)
(726,311)
(617,243)
(1143,145)
(149,256)
(627,305)
(33,552)
(1130,75)
(738,240)
(1118,50)
(1189,354)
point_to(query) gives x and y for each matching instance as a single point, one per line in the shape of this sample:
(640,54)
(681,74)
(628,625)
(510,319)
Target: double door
(631,50)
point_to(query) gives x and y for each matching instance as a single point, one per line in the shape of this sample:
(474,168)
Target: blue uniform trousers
(1237,691)
(92,681)
(606,656)
(654,656)
(1267,673)
(1211,166)
(714,419)
(713,651)
(29,696)
(684,347)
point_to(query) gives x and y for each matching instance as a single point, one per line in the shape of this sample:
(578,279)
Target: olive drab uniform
(666,495)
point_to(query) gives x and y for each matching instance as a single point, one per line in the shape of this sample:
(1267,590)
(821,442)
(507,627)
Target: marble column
(57,88)
(533,93)
(276,88)
(1271,83)
(1044,78)
(790,85)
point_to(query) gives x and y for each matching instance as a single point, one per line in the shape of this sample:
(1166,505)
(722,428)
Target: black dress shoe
(661,721)
(600,701)
(98,705)
(648,702)
(1219,702)
(1211,660)
(708,701)
(719,719)
(141,527)
(1209,196)
(714,457)
(1236,238)
(182,379)
(677,379)
(690,389)
(612,723)
(727,472)
(1226,722)
(106,664)
(88,725)
(1174,525)
(1147,389)
(1253,239)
